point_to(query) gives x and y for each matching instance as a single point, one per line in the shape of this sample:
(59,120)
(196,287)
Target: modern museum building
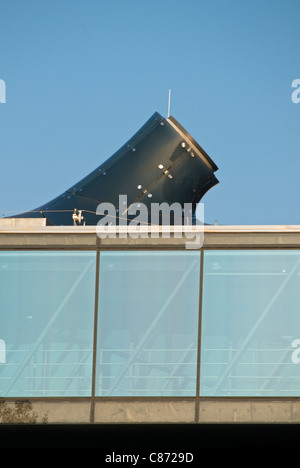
(104,325)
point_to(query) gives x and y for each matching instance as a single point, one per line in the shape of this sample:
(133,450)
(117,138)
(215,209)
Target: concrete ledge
(247,411)
(23,223)
(65,412)
(19,241)
(177,411)
(44,411)
(36,235)
(145,411)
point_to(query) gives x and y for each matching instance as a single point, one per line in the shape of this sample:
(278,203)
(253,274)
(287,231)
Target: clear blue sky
(83,75)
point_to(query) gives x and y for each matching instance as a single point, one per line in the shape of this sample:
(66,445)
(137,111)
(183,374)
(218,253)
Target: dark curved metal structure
(160,163)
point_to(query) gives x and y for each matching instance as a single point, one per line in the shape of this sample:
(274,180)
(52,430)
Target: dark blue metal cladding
(160,163)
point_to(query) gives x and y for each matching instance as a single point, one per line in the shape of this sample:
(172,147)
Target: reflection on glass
(148,323)
(46,323)
(250,324)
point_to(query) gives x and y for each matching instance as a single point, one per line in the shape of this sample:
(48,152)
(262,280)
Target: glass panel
(148,323)
(250,321)
(46,323)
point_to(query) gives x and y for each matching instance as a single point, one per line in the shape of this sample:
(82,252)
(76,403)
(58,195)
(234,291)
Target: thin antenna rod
(169,103)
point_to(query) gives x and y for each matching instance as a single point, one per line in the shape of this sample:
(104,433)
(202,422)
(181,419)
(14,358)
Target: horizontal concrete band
(169,411)
(86,237)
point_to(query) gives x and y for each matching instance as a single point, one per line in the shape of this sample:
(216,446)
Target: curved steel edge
(193,142)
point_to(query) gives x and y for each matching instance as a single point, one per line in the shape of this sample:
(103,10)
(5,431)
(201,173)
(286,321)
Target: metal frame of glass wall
(170,318)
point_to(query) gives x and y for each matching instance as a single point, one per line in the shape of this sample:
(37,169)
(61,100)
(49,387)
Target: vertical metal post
(197,408)
(92,414)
